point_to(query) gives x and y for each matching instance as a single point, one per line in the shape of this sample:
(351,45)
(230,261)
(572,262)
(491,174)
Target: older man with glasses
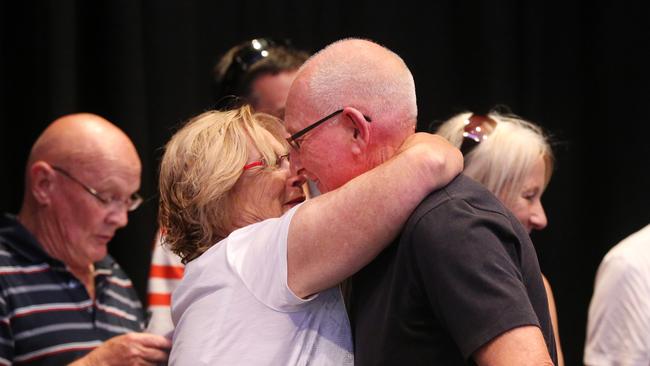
(63,299)
(461,284)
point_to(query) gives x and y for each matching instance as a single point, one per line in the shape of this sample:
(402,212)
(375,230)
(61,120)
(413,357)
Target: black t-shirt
(462,272)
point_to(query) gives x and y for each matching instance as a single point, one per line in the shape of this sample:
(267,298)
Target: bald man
(63,298)
(461,284)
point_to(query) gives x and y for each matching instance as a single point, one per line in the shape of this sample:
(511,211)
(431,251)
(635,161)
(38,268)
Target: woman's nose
(296,180)
(538,218)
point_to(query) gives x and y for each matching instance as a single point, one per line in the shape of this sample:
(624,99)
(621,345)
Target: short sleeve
(165,274)
(258,255)
(619,316)
(468,260)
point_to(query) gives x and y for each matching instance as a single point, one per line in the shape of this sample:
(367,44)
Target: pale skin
(333,154)
(519,346)
(553,312)
(269,95)
(72,226)
(264,194)
(332,236)
(269,92)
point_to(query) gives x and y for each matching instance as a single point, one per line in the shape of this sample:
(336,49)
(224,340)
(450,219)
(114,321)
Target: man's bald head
(374,93)
(361,74)
(77,169)
(83,139)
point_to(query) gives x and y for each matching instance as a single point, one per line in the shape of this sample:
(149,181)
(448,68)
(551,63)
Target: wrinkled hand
(443,160)
(129,349)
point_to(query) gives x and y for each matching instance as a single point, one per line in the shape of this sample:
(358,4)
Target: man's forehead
(293,120)
(297,107)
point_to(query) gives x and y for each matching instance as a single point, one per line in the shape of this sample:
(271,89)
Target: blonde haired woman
(263,268)
(514,160)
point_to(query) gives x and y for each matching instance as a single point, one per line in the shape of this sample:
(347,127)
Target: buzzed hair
(372,78)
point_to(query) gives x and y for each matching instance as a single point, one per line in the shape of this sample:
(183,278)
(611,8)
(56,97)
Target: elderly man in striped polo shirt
(62,297)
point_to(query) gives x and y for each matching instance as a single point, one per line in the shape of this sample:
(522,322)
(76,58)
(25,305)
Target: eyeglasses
(262,163)
(254,51)
(130,203)
(293,139)
(477,128)
(247,56)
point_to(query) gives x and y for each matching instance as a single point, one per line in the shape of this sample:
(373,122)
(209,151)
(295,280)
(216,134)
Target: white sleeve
(165,274)
(618,329)
(258,255)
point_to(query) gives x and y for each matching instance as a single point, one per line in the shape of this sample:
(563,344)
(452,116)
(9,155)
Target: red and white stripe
(51,307)
(7,270)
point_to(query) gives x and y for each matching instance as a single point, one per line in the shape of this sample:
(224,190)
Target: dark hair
(242,64)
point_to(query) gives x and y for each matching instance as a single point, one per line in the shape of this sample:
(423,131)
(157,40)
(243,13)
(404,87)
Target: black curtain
(579,69)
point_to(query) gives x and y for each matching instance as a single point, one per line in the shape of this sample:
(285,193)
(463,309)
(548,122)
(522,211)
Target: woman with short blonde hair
(196,202)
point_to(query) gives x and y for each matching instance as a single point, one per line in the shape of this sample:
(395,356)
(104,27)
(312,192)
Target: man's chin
(99,250)
(98,255)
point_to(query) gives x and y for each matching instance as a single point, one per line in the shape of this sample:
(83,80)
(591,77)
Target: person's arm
(128,349)
(552,310)
(165,273)
(519,346)
(334,235)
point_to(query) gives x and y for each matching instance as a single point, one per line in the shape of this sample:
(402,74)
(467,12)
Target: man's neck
(45,233)
(46,237)
(87,276)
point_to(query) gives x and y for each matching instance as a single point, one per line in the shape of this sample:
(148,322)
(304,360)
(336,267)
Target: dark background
(579,69)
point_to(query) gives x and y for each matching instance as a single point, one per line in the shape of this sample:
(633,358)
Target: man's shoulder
(633,246)
(446,215)
(460,191)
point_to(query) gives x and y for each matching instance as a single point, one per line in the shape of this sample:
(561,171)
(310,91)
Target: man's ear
(41,182)
(359,128)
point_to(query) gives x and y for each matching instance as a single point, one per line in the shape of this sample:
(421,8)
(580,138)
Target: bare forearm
(553,312)
(336,234)
(520,346)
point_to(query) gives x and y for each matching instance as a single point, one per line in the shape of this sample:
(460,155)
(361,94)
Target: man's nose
(296,180)
(118,217)
(296,164)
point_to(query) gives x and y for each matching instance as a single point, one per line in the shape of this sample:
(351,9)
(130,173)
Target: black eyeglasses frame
(293,139)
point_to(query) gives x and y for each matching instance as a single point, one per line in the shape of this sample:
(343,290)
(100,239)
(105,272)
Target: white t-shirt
(618,330)
(234,307)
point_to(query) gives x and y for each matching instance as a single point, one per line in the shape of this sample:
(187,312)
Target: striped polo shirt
(46,314)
